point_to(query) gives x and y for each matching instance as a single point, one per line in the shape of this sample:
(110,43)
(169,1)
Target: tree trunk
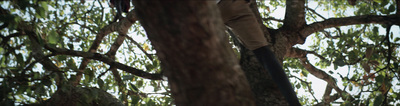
(190,41)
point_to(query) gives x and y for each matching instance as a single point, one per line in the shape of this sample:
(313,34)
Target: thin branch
(107,60)
(299,53)
(334,22)
(85,26)
(140,47)
(313,11)
(272,18)
(328,35)
(308,86)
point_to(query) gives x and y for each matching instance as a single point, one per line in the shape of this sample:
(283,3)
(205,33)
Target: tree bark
(190,41)
(265,91)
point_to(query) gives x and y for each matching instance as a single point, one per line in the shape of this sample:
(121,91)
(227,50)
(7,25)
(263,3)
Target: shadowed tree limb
(335,22)
(107,60)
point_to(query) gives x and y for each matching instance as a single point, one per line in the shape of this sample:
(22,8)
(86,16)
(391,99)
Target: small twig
(308,86)
(140,47)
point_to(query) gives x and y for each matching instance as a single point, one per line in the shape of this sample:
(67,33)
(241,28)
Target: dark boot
(268,60)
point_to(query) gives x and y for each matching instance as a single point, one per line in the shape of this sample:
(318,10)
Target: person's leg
(238,15)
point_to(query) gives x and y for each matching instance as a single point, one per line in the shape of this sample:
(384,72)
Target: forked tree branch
(121,26)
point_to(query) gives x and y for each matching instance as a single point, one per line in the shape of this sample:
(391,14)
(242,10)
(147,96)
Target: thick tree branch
(295,53)
(199,64)
(295,15)
(325,32)
(334,22)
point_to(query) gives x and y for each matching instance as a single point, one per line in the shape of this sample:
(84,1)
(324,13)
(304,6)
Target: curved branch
(334,22)
(107,60)
(301,54)
(120,26)
(326,77)
(327,98)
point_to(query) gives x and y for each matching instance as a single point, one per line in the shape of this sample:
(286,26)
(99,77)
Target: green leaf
(378,100)
(40,90)
(139,83)
(20,58)
(150,102)
(127,77)
(378,1)
(339,62)
(396,39)
(134,87)
(350,87)
(305,73)
(298,86)
(100,82)
(89,73)
(53,37)
(379,78)
(71,46)
(375,30)
(71,64)
(41,12)
(61,57)
(392,8)
(46,82)
(44,5)
(353,55)
(21,90)
(23,4)
(135,100)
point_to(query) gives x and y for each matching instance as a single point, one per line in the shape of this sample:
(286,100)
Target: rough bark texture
(265,90)
(189,39)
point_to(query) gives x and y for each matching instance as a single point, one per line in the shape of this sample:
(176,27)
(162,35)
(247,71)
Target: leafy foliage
(73,26)
(372,61)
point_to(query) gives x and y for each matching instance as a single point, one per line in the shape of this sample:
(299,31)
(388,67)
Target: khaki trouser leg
(238,15)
